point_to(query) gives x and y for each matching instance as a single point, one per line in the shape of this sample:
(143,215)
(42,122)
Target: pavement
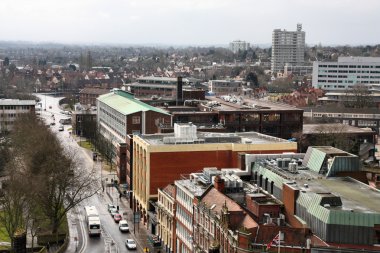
(110,194)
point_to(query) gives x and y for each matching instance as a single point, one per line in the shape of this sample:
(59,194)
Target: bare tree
(13,202)
(358,97)
(56,184)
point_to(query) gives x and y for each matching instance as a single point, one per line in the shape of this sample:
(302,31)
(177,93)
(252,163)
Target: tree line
(43,179)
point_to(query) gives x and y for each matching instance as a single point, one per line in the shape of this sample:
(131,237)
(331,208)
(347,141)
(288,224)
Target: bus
(92,220)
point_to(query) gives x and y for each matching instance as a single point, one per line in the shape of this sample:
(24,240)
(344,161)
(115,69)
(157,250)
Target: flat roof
(193,186)
(158,78)
(333,128)
(211,137)
(355,196)
(249,104)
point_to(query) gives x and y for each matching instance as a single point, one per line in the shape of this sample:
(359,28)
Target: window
(135,119)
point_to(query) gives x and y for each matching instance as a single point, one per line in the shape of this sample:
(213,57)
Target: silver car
(123,226)
(130,244)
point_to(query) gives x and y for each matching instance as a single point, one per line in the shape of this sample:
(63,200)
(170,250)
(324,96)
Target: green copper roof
(126,104)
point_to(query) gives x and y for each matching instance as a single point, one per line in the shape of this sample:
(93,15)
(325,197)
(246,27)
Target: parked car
(113,211)
(117,217)
(61,128)
(52,123)
(123,226)
(110,206)
(130,244)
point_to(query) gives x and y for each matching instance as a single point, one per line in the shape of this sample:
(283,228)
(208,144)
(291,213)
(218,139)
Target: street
(111,239)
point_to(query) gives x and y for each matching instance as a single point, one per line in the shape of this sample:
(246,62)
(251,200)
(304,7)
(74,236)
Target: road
(111,240)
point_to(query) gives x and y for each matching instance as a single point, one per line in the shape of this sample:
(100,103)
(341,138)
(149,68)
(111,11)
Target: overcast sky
(188,22)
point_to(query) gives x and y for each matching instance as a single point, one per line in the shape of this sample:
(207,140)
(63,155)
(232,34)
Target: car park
(123,226)
(117,217)
(130,244)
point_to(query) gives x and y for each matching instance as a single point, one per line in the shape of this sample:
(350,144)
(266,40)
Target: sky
(188,22)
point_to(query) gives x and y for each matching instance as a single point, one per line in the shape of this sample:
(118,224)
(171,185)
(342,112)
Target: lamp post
(101,171)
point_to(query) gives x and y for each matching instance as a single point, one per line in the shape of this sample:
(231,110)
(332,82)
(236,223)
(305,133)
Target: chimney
(179,90)
(219,183)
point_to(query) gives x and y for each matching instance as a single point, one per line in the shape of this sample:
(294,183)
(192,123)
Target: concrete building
(160,159)
(358,117)
(164,87)
(10,109)
(120,115)
(224,87)
(358,141)
(166,211)
(239,45)
(84,123)
(342,75)
(288,47)
(238,114)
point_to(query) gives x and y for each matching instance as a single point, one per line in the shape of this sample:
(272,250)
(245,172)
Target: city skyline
(187,22)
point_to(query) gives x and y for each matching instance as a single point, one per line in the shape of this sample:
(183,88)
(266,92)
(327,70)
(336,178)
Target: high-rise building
(239,45)
(288,47)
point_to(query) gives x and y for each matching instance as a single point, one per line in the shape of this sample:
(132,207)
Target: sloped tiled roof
(214,197)
(170,190)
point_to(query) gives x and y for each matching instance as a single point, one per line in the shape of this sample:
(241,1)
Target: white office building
(239,45)
(345,73)
(10,109)
(288,47)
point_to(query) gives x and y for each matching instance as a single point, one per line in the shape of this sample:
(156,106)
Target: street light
(101,172)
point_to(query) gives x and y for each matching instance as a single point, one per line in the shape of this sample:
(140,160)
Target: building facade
(166,211)
(120,115)
(10,109)
(347,72)
(88,96)
(239,45)
(162,158)
(164,87)
(288,47)
(225,87)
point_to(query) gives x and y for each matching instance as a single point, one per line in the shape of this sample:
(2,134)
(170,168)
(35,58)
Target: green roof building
(121,115)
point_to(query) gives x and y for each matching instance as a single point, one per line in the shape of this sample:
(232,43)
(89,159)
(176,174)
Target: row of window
(345,76)
(14,107)
(205,221)
(183,234)
(8,115)
(113,119)
(351,66)
(165,202)
(184,199)
(6,123)
(184,217)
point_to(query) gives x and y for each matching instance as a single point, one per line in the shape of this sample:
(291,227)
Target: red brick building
(160,159)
